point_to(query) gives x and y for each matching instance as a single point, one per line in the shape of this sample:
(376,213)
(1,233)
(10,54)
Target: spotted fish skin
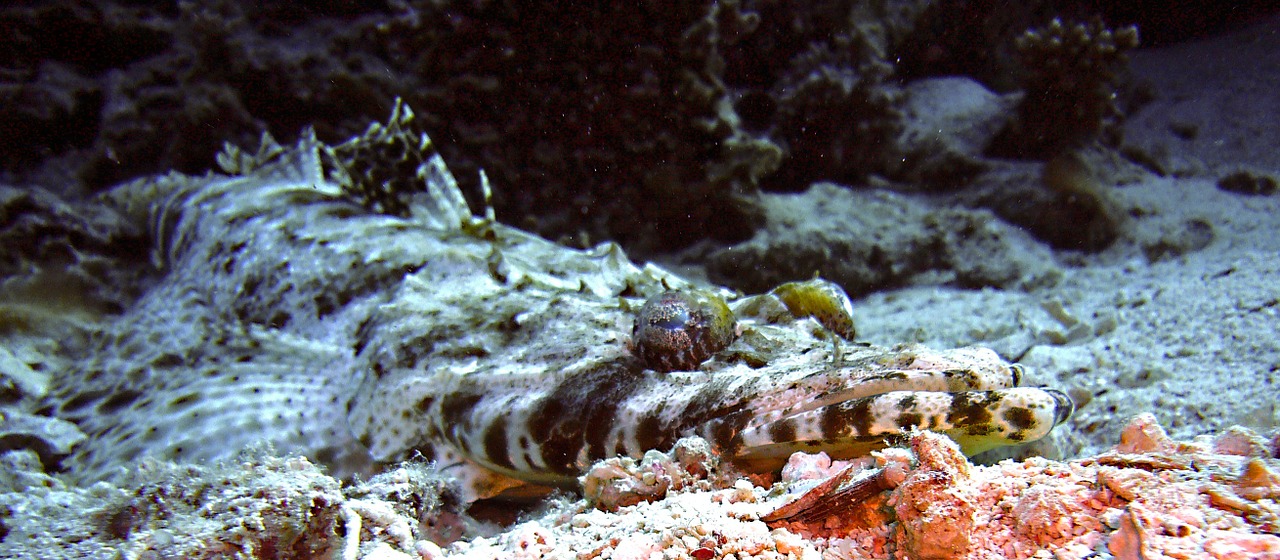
(362,321)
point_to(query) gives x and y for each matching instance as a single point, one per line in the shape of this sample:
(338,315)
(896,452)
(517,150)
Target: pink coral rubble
(1152,497)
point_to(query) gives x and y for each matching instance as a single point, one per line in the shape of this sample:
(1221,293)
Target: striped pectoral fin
(977,420)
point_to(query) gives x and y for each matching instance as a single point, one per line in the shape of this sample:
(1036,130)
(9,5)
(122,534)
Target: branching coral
(1073,71)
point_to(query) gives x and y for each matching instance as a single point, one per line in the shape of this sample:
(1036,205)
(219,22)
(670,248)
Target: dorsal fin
(395,169)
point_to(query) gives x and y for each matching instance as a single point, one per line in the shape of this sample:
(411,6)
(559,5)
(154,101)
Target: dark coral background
(652,123)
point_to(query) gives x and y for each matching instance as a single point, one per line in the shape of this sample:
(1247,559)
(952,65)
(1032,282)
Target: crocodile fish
(344,302)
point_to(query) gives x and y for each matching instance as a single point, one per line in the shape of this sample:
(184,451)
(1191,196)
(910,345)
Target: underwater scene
(708,279)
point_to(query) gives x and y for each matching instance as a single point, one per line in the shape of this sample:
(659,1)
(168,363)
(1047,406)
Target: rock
(871,240)
(935,505)
(948,123)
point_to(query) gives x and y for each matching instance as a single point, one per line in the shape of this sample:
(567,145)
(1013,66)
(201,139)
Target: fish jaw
(977,420)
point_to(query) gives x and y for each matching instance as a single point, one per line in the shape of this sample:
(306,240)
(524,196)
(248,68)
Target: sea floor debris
(1149,497)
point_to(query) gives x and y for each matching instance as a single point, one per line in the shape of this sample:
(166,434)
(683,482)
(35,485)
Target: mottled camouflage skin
(343,302)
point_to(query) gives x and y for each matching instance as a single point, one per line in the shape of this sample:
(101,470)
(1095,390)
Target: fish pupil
(673,319)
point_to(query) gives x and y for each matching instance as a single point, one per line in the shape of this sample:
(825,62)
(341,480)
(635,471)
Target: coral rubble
(1150,497)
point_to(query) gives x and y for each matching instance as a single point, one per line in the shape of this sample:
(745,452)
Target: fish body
(345,303)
